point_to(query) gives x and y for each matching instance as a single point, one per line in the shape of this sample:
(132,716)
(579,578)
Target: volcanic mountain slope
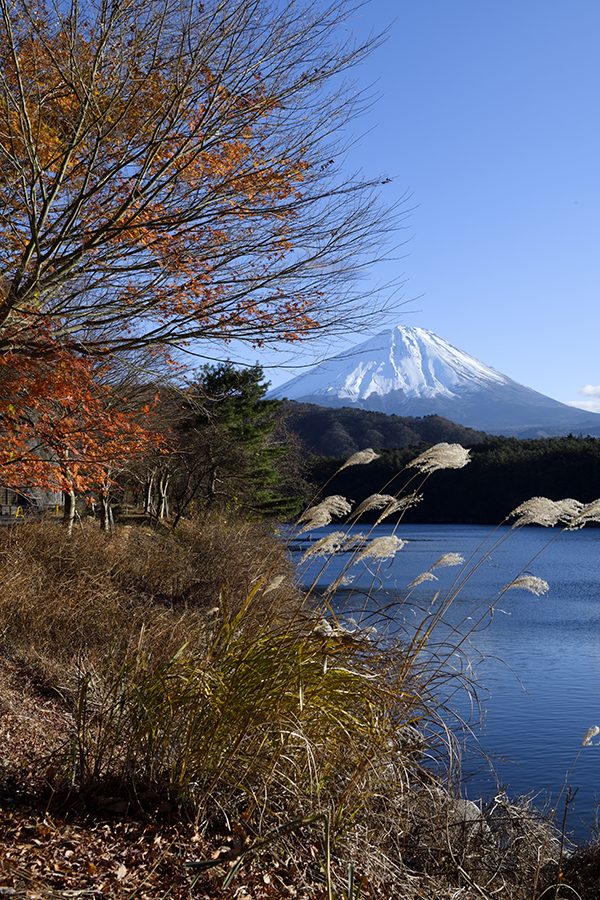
(413,372)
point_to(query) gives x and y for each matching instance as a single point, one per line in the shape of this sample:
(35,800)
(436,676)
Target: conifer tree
(229,456)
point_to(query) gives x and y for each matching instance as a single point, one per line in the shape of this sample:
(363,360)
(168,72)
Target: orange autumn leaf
(61,427)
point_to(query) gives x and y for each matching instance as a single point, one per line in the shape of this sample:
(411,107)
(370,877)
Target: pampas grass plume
(530,583)
(441,456)
(374,501)
(537,511)
(342,580)
(360,459)
(322,514)
(589,512)
(396,505)
(449,559)
(590,733)
(274,583)
(426,576)
(381,548)
(326,546)
(542,511)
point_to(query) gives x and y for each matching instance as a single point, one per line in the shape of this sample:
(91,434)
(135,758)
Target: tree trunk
(148,504)
(164,499)
(107,523)
(69,510)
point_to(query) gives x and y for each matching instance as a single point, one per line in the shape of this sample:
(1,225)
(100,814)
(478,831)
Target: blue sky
(488,115)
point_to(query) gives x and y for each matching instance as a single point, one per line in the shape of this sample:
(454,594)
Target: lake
(538,658)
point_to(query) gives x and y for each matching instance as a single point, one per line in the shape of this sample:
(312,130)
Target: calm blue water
(538,659)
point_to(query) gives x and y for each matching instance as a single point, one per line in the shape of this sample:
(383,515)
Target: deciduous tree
(63,427)
(170,170)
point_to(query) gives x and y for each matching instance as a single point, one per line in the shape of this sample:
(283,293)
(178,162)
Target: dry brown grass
(271,739)
(62,595)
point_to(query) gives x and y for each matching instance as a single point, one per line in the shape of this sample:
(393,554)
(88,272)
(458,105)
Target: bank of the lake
(538,658)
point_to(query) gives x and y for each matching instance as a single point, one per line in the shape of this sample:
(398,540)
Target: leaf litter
(55,843)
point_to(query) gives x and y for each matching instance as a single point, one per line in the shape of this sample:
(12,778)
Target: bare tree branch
(172,171)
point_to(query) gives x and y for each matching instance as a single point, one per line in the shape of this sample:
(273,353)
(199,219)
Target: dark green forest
(503,473)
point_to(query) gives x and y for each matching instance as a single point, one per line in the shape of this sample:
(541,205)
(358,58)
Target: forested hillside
(341,432)
(503,473)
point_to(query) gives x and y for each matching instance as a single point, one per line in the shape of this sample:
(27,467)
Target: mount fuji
(413,372)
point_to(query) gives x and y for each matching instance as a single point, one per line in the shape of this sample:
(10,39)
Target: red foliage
(62,427)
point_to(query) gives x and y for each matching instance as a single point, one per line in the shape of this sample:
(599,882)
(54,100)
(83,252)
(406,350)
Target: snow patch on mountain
(412,361)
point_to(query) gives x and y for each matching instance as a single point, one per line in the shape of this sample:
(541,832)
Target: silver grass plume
(360,459)
(426,576)
(570,509)
(449,559)
(332,543)
(530,583)
(340,581)
(590,733)
(441,456)
(381,548)
(542,511)
(589,512)
(398,504)
(375,501)
(391,504)
(322,513)
(274,583)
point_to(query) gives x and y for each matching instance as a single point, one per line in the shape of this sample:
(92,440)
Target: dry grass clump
(190,568)
(89,592)
(193,668)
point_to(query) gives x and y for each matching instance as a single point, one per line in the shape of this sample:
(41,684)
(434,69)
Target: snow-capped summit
(412,360)
(413,372)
